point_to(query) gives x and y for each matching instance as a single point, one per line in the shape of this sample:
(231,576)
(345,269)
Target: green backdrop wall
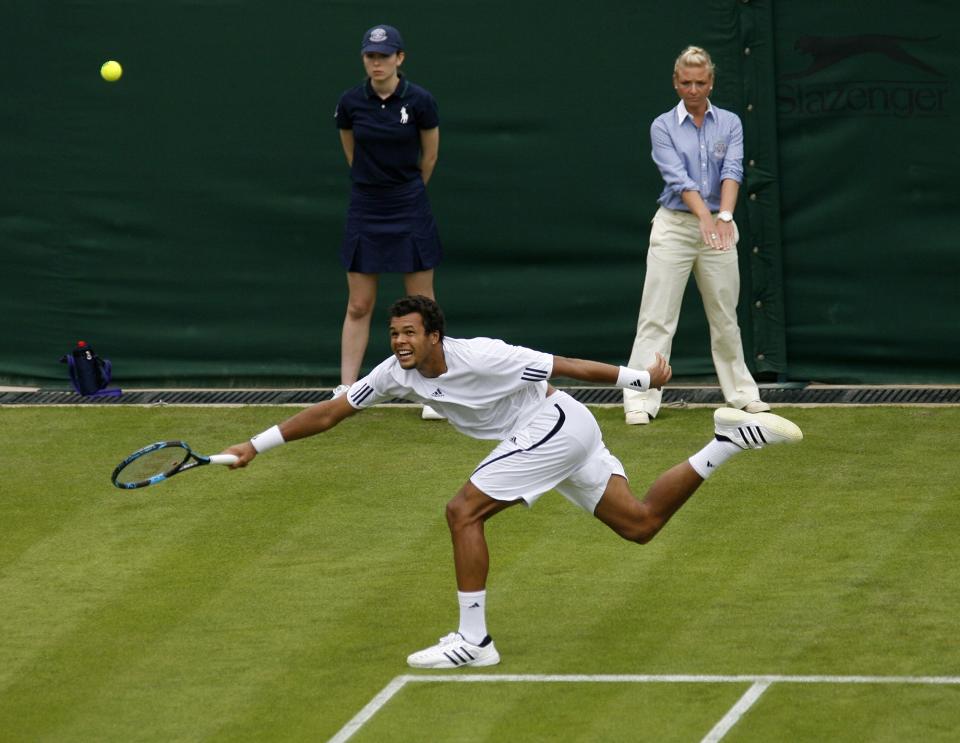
(186,219)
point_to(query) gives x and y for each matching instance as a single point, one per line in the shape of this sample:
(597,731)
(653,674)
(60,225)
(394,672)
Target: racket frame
(190,460)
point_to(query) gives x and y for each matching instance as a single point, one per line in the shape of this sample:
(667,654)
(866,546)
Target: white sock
(473,615)
(712,456)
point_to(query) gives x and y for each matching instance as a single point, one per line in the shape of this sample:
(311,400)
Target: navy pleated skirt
(390,229)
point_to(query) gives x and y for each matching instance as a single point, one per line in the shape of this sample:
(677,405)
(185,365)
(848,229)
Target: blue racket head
(151,464)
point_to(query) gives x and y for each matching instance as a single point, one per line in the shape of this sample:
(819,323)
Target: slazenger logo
(798,93)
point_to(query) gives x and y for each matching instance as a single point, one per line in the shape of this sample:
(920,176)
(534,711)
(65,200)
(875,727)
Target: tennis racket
(159,462)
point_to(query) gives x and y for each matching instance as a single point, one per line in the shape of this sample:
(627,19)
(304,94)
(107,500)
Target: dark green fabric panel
(868,153)
(759,214)
(186,220)
(170,219)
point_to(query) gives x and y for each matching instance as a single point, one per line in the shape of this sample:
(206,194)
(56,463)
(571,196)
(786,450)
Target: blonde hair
(693,56)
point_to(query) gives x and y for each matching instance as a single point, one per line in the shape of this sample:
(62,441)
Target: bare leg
(466,514)
(639,521)
(419,282)
(356,324)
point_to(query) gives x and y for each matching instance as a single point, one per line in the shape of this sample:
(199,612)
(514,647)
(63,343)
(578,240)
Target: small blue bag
(89,374)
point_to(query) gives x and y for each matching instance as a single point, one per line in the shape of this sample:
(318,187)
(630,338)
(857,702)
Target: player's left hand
(660,372)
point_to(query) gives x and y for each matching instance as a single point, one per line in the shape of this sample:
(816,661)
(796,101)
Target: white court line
(677,678)
(736,712)
(759,684)
(370,710)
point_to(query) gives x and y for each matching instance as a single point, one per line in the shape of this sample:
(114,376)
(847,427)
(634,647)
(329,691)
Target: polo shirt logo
(378,35)
(404,116)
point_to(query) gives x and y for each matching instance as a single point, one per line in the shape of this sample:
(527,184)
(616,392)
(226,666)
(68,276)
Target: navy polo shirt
(386,132)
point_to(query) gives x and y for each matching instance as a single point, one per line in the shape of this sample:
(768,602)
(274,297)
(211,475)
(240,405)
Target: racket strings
(158,462)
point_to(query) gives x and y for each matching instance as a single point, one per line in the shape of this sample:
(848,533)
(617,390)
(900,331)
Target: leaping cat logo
(827,52)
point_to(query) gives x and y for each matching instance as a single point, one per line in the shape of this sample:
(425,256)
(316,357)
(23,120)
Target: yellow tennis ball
(111,71)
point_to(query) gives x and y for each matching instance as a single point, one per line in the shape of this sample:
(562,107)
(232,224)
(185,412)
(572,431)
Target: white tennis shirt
(489,391)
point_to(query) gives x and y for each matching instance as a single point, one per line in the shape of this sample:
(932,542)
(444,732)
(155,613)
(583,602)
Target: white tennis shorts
(561,449)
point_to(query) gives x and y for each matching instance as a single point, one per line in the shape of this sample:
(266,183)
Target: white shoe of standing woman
(429,414)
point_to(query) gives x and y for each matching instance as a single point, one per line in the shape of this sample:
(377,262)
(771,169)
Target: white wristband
(633,379)
(267,440)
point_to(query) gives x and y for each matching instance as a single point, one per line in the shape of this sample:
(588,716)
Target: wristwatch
(725,216)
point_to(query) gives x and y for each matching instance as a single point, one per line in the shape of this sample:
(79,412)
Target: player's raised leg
(640,520)
(734,431)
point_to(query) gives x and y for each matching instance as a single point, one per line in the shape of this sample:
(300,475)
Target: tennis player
(547,440)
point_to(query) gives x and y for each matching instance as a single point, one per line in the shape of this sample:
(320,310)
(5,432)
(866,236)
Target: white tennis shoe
(637,417)
(754,430)
(454,652)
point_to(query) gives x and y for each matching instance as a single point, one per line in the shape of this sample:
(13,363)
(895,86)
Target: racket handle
(223,458)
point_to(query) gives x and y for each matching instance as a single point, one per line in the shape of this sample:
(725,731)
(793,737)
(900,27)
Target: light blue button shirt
(692,159)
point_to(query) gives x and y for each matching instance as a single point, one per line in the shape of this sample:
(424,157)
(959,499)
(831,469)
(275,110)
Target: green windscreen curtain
(869,196)
(186,220)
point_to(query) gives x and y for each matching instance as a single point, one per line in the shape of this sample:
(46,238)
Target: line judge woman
(390,132)
(698,149)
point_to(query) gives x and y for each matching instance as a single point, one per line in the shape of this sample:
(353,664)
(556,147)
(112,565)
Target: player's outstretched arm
(596,371)
(316,419)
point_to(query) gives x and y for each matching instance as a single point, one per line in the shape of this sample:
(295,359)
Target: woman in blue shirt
(389,129)
(698,149)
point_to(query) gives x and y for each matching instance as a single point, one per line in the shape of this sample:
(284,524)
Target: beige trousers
(676,249)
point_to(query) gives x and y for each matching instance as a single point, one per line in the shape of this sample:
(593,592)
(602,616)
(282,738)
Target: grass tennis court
(276,603)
